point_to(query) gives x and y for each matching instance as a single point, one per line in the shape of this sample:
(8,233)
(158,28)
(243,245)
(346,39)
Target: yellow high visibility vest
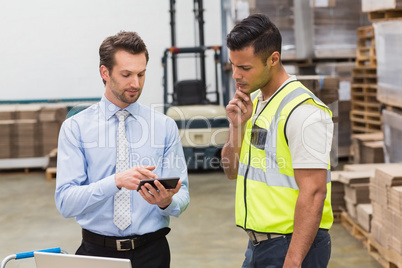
(266,190)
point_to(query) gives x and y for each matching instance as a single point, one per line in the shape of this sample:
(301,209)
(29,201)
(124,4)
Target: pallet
(368,52)
(381,15)
(366,76)
(51,173)
(366,62)
(354,229)
(366,106)
(366,117)
(388,258)
(364,127)
(365,72)
(365,32)
(364,93)
(370,80)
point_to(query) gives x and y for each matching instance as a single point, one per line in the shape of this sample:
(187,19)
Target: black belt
(123,243)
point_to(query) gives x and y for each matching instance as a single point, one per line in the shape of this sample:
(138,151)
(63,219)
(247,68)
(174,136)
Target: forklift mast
(199,15)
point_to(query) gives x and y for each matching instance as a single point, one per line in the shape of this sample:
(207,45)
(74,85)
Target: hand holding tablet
(168,183)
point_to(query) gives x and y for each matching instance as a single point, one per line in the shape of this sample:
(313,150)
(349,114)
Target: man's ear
(275,58)
(104,73)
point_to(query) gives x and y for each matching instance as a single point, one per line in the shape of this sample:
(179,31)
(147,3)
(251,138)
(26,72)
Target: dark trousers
(155,254)
(272,253)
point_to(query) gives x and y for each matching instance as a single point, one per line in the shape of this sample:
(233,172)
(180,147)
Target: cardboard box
(351,208)
(7,112)
(53,113)
(27,142)
(379,233)
(390,175)
(364,216)
(372,152)
(6,136)
(356,177)
(324,87)
(358,193)
(366,167)
(337,192)
(363,152)
(396,245)
(28,111)
(395,199)
(374,5)
(49,135)
(378,194)
(392,223)
(392,128)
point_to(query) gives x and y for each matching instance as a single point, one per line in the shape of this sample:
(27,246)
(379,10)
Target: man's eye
(141,75)
(125,75)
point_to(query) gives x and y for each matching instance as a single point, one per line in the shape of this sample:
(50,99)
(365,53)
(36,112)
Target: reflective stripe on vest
(266,191)
(275,179)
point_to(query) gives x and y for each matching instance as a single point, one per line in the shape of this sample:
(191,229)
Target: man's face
(125,82)
(249,72)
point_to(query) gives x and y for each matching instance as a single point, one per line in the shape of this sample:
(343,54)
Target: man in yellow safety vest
(279,151)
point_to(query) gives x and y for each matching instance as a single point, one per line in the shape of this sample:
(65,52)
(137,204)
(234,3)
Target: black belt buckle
(125,244)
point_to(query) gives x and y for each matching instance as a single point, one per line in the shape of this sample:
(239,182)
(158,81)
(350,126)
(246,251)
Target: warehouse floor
(204,236)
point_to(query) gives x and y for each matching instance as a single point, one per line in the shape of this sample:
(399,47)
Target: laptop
(53,260)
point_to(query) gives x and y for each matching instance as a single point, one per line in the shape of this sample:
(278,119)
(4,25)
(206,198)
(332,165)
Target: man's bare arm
(239,110)
(312,185)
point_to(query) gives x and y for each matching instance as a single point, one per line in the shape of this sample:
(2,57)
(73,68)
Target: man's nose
(135,82)
(236,73)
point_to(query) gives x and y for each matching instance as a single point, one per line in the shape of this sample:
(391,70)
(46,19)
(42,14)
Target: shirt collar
(109,109)
(290,79)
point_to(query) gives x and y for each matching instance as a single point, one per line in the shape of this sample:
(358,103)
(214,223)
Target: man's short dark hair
(127,41)
(256,30)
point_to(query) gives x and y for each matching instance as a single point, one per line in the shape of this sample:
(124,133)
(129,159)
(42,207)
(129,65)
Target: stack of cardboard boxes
(368,148)
(28,131)
(386,198)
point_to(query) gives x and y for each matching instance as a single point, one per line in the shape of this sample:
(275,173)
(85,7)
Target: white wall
(49,49)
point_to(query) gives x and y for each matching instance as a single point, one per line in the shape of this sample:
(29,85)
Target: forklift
(197,110)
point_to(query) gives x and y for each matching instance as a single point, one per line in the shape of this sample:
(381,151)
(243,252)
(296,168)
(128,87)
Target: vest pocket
(258,137)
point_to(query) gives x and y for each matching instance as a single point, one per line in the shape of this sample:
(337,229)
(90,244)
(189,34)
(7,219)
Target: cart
(30,254)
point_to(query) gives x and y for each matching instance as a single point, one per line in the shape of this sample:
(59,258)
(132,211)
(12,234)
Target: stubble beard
(122,96)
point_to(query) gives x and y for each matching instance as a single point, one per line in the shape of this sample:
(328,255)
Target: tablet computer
(168,183)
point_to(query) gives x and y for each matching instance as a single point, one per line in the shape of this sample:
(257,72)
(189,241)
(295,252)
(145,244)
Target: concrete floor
(204,236)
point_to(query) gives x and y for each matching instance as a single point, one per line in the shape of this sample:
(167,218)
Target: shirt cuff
(108,186)
(310,166)
(170,210)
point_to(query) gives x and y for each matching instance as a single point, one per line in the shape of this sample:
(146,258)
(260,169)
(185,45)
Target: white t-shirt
(309,132)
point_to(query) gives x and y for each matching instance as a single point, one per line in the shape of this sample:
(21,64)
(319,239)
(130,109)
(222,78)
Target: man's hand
(161,196)
(131,177)
(239,109)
